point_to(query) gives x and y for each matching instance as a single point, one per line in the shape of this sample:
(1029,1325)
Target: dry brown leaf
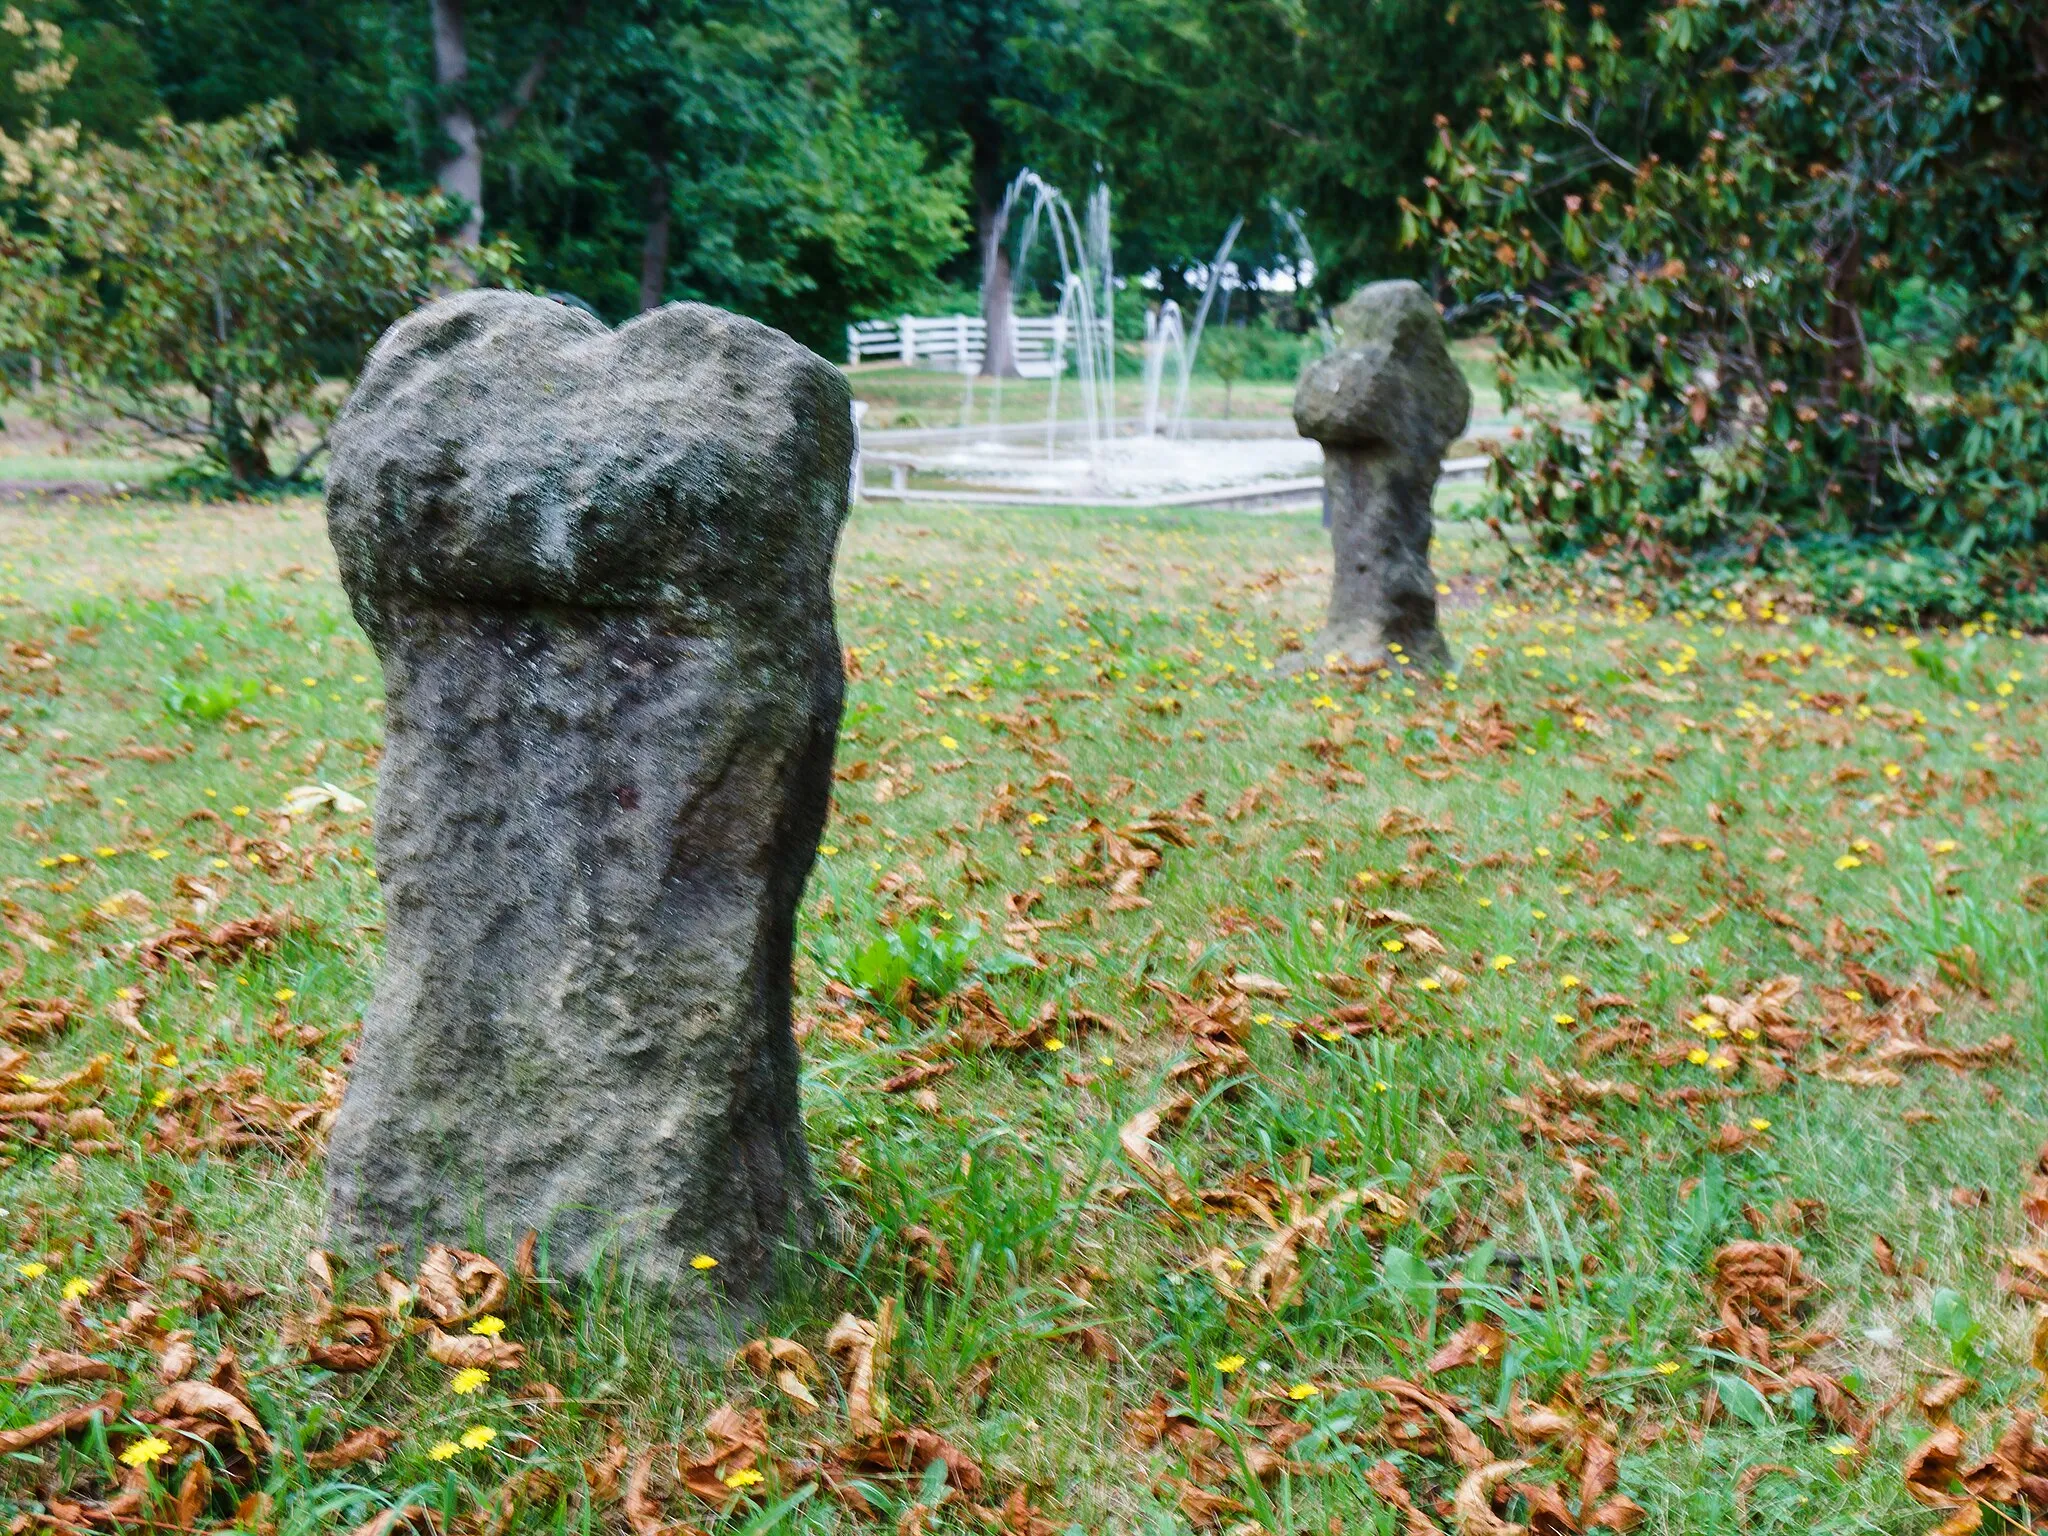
(1136,1139)
(456,1286)
(786,1363)
(68,1421)
(1549,1515)
(194,1491)
(58,1365)
(1467,1449)
(860,1349)
(1472,1505)
(202,1400)
(371,1444)
(643,1510)
(178,1358)
(1619,1513)
(1384,1479)
(1252,984)
(1480,1339)
(416,1519)
(1933,1467)
(1276,1279)
(1936,1399)
(475,1350)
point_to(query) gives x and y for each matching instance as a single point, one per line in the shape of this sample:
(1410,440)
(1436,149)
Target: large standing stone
(1384,406)
(597,567)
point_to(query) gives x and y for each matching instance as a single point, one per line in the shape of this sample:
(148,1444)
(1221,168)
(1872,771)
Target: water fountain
(1157,458)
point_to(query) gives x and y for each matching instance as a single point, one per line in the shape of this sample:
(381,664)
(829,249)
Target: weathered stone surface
(597,567)
(1384,406)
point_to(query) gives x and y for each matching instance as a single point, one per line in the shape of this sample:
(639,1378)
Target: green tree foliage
(341,61)
(1700,235)
(196,287)
(634,150)
(110,91)
(1202,109)
(726,153)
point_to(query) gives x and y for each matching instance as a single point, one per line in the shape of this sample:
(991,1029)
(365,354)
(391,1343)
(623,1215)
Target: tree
(196,287)
(1200,110)
(1700,239)
(460,172)
(962,70)
(725,151)
(110,90)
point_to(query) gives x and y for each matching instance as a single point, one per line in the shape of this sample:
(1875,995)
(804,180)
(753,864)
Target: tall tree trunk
(654,248)
(461,174)
(999,351)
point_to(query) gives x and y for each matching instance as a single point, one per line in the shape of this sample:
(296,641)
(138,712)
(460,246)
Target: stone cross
(1384,406)
(597,568)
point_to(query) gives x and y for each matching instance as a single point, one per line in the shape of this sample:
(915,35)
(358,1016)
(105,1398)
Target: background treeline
(810,161)
(1784,263)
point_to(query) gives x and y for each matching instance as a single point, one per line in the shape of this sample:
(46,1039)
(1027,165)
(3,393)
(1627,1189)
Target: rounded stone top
(501,448)
(1391,383)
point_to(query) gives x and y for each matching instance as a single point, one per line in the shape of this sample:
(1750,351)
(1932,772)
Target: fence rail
(956,343)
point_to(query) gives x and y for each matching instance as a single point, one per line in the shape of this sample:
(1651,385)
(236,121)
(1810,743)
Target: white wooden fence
(955,343)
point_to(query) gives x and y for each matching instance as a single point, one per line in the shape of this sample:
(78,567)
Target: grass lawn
(1613,1075)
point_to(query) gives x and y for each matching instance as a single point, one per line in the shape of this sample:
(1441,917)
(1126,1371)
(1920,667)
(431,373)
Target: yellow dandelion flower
(76,1287)
(949,743)
(1392,946)
(477,1436)
(1302,1391)
(1720,1063)
(1697,1057)
(828,849)
(1668,1367)
(145,1451)
(490,1325)
(1055,1045)
(468,1380)
(1848,861)
(1842,1448)
(1568,981)
(159,853)
(1564,1018)
(442,1451)
(703,1261)
(1229,1365)
(1428,984)
(1677,936)
(1759,1123)
(283,995)
(746,1477)
(33,1270)
(1502,962)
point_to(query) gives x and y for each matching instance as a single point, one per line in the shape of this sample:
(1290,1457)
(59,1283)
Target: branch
(529,82)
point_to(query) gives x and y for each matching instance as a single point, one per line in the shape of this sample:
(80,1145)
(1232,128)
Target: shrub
(191,287)
(1703,241)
